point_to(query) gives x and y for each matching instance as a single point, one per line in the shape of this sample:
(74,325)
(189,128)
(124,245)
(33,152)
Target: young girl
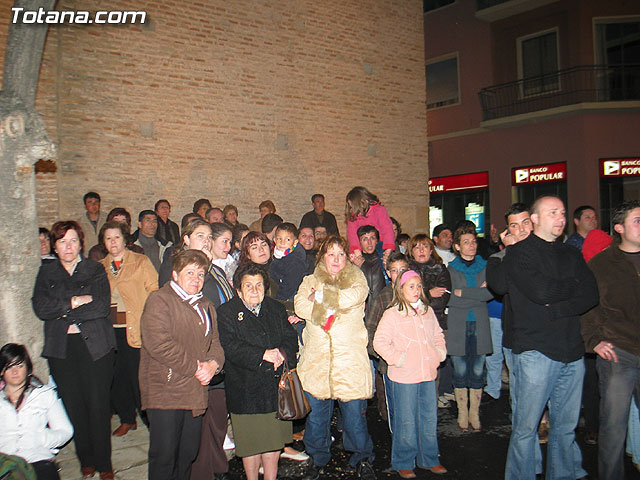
(364,208)
(411,341)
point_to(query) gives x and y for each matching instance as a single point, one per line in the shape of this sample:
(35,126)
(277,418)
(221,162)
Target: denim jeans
(619,381)
(468,370)
(494,361)
(317,434)
(538,380)
(415,425)
(633,433)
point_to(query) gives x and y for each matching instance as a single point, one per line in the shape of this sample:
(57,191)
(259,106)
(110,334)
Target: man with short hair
(168,230)
(585,219)
(145,237)
(612,331)
(319,234)
(266,207)
(269,224)
(92,220)
(369,262)
(550,286)
(214,215)
(305,238)
(319,216)
(443,239)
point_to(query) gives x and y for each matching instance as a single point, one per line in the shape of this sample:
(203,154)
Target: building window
(538,63)
(618,57)
(428,5)
(442,83)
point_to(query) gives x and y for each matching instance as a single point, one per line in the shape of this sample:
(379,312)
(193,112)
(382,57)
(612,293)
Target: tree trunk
(23,141)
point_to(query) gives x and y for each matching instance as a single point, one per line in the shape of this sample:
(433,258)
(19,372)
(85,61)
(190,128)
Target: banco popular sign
(619,167)
(552,172)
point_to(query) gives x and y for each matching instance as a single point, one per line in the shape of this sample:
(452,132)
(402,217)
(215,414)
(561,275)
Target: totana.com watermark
(20,15)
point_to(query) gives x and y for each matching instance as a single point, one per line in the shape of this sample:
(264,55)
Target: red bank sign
(552,172)
(619,167)
(469,181)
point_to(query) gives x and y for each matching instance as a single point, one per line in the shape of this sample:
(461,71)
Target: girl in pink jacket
(411,341)
(364,208)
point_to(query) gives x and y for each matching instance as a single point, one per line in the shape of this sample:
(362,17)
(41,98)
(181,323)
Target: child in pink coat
(411,341)
(364,208)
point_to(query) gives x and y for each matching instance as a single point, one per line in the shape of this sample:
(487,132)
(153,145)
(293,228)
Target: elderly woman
(72,297)
(256,337)
(180,355)
(34,421)
(230,215)
(120,215)
(469,334)
(334,364)
(132,278)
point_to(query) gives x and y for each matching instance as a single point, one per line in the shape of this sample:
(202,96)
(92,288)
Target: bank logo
(612,167)
(522,175)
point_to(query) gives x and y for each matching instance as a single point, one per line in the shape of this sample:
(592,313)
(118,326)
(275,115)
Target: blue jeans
(317,434)
(415,424)
(633,433)
(619,381)
(468,370)
(538,380)
(494,361)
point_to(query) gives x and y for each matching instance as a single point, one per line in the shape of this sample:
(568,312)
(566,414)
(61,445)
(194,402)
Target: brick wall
(237,101)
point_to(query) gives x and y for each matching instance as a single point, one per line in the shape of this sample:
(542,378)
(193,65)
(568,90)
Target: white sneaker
(298,457)
(443,402)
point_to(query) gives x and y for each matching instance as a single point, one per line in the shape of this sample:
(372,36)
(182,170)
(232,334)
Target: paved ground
(467,456)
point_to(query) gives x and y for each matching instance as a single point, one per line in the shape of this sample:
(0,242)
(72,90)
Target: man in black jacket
(612,330)
(369,262)
(550,286)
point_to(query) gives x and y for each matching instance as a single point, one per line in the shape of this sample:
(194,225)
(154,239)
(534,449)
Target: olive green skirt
(259,433)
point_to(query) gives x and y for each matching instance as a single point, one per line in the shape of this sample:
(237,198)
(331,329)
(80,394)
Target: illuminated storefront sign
(453,183)
(552,172)
(619,167)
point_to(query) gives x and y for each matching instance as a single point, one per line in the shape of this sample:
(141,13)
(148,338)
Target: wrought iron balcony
(580,84)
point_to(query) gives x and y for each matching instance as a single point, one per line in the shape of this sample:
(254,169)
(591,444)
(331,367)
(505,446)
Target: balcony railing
(585,83)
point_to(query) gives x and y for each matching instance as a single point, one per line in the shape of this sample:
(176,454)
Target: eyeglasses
(399,271)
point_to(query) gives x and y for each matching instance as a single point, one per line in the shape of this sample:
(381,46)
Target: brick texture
(237,101)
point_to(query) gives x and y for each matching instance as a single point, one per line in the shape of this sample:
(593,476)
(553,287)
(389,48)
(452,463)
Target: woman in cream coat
(334,364)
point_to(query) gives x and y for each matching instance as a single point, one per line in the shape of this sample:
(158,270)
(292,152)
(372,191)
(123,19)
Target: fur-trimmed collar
(331,287)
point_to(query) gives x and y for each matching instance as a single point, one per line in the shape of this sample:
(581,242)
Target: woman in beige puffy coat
(334,364)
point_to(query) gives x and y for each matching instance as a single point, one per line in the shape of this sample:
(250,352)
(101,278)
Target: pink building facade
(531,97)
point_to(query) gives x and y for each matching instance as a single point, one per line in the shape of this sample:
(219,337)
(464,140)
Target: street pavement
(467,456)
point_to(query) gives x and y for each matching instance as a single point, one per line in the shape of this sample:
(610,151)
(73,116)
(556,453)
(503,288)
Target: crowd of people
(187,327)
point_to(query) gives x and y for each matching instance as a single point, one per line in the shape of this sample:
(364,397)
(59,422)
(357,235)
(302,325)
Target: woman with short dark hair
(73,298)
(256,337)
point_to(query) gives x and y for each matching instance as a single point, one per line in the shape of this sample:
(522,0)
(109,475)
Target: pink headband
(407,275)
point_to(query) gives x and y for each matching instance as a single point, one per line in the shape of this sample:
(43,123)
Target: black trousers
(46,470)
(174,439)
(84,385)
(125,390)
(211,456)
(590,394)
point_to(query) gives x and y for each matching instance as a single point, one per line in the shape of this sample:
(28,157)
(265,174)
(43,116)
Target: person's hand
(458,292)
(206,371)
(606,351)
(293,319)
(80,300)
(484,284)
(356,258)
(437,292)
(385,256)
(273,356)
(507,238)
(206,249)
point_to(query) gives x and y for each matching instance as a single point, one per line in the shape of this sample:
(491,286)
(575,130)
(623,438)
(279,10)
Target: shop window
(538,63)
(442,83)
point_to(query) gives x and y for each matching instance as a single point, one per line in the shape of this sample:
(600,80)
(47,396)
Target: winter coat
(334,363)
(52,303)
(251,384)
(173,340)
(434,275)
(136,279)
(372,269)
(288,272)
(411,343)
(473,302)
(39,428)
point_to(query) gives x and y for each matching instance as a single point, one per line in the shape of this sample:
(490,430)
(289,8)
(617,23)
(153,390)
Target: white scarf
(193,301)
